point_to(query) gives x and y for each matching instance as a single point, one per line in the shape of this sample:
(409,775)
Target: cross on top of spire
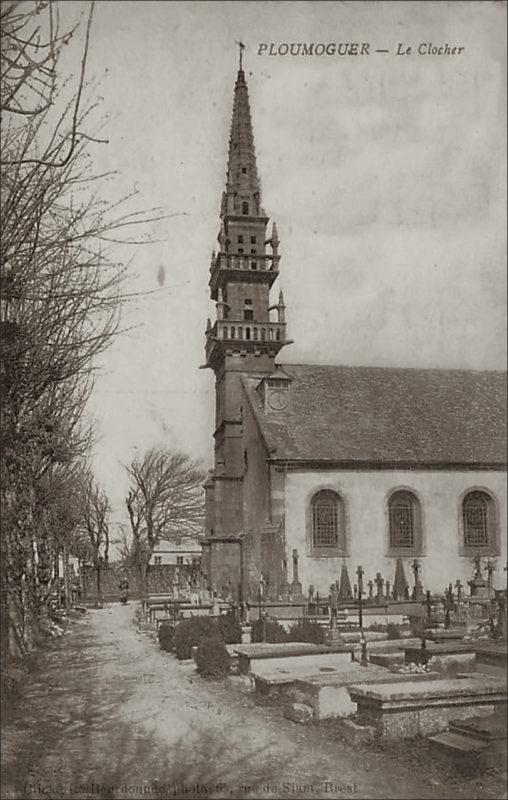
(241,48)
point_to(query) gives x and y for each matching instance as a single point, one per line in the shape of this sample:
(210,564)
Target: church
(321,467)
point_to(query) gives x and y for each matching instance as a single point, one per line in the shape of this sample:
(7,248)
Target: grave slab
(390,645)
(414,654)
(465,662)
(370,636)
(272,678)
(328,695)
(449,635)
(408,709)
(492,653)
(252,654)
(387,659)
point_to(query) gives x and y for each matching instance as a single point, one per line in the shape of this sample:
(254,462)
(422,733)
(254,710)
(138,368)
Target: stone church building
(325,466)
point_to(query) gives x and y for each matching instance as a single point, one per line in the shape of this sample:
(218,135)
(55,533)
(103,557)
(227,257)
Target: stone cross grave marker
(296,586)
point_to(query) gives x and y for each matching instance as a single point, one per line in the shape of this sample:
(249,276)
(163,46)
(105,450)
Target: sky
(385,173)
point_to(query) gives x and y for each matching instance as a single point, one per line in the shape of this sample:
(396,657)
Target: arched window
(255,334)
(232,333)
(245,207)
(404,524)
(327,523)
(247,333)
(479,523)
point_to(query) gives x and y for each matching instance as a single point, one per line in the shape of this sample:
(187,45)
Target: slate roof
(387,415)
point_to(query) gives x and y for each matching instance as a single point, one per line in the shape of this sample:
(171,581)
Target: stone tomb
(389,660)
(328,696)
(408,709)
(284,654)
(467,655)
(388,645)
(159,612)
(492,653)
(250,654)
(442,635)
(415,655)
(276,676)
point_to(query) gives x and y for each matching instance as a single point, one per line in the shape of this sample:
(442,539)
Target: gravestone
(333,636)
(478,584)
(296,586)
(379,587)
(501,616)
(345,592)
(284,587)
(490,582)
(418,593)
(400,585)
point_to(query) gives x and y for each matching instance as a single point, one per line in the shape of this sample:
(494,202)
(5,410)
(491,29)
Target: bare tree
(165,501)
(61,295)
(93,524)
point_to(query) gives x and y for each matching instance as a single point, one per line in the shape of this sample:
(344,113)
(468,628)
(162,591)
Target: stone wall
(225,568)
(160,579)
(256,505)
(365,496)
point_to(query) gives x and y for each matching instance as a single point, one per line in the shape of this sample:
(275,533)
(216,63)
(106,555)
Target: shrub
(166,636)
(273,631)
(230,628)
(190,632)
(377,626)
(212,658)
(306,630)
(393,630)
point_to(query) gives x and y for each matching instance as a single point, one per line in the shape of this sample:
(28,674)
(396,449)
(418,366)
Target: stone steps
(458,742)
(474,744)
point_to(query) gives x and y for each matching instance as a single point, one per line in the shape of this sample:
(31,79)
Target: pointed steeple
(247,262)
(243,193)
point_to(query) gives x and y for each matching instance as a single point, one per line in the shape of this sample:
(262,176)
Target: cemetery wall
(365,496)
(160,579)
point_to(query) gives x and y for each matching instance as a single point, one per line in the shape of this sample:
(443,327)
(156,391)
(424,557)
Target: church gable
(387,415)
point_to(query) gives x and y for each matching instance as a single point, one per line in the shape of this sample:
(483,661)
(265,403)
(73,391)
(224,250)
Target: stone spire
(242,183)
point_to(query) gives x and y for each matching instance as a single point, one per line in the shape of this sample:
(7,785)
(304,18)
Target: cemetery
(390,663)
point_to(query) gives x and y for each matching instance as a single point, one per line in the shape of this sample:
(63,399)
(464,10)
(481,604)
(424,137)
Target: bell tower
(245,337)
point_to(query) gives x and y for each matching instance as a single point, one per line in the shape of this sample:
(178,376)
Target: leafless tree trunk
(61,293)
(166,501)
(94,510)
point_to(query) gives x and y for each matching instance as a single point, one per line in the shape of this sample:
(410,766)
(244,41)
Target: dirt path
(110,716)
